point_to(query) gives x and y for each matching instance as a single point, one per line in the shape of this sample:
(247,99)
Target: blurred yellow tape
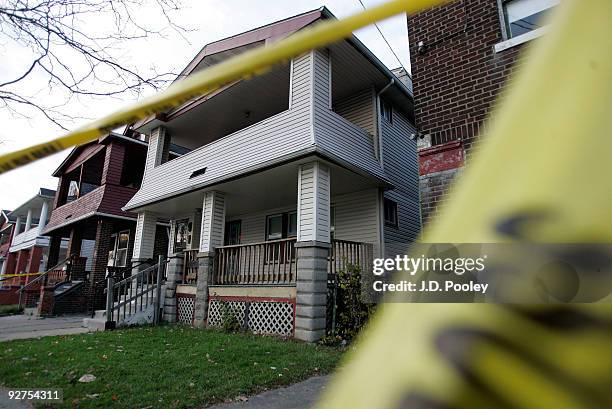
(245,65)
(546,166)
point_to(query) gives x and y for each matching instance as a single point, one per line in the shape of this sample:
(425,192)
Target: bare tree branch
(74,47)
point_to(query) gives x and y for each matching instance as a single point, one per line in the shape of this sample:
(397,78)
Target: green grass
(10,309)
(159,367)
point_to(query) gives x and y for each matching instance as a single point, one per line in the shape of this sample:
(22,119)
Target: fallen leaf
(87,378)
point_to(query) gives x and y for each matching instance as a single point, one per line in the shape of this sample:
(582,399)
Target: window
(182,234)
(523,16)
(274,227)
(386,111)
(282,225)
(390,213)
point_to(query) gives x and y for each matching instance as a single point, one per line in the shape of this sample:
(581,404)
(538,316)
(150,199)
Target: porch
(271,263)
(261,247)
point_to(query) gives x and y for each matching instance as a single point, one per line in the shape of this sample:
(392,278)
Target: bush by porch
(167,366)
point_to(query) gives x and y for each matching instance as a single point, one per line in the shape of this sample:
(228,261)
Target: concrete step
(94,324)
(33,311)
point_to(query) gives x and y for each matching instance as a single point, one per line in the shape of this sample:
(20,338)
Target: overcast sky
(210,20)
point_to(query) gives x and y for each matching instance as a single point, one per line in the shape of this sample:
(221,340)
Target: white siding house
(283,179)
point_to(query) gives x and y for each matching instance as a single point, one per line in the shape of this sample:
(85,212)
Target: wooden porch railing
(268,262)
(344,253)
(190,264)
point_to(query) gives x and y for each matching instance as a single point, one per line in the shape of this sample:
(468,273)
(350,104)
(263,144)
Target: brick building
(95,181)
(462,54)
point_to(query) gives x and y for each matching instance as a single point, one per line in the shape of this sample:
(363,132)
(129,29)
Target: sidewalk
(24,326)
(299,396)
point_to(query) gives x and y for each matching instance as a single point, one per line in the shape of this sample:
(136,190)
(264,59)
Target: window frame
(189,224)
(384,107)
(395,208)
(505,24)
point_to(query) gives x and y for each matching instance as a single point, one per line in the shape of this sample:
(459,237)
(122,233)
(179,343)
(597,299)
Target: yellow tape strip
(546,161)
(245,65)
(3,276)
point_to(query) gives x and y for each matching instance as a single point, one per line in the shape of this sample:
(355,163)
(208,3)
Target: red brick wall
(456,81)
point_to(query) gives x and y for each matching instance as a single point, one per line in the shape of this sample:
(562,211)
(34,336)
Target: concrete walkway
(25,326)
(298,396)
(6,403)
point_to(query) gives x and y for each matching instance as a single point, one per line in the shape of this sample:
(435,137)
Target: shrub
(229,320)
(351,313)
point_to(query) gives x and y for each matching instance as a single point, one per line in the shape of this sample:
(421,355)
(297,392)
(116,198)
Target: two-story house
(95,181)
(462,54)
(29,247)
(286,176)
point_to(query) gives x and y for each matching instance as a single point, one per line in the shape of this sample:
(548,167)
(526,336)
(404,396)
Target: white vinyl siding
(336,135)
(356,217)
(213,221)
(402,168)
(274,139)
(313,202)
(359,109)
(145,235)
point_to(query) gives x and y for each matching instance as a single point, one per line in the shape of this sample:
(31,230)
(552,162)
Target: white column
(158,148)
(144,240)
(17,226)
(213,221)
(313,203)
(4,263)
(28,220)
(44,212)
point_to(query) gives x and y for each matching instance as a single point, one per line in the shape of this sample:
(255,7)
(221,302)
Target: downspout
(379,148)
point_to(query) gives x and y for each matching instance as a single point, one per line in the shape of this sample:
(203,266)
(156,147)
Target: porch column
(159,148)
(174,277)
(313,244)
(17,226)
(211,237)
(44,212)
(55,243)
(104,230)
(144,238)
(28,225)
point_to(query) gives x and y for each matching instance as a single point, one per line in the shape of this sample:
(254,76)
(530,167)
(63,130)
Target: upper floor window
(523,16)
(386,111)
(390,213)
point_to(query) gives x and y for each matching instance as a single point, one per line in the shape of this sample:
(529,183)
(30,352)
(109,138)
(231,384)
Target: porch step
(32,311)
(95,324)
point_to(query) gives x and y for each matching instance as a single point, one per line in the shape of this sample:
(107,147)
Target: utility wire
(385,39)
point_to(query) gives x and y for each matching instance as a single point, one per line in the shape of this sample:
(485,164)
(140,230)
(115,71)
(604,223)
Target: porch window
(182,235)
(522,16)
(117,255)
(390,213)
(281,225)
(274,227)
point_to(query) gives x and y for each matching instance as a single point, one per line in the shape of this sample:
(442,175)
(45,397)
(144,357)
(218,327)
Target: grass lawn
(159,367)
(9,309)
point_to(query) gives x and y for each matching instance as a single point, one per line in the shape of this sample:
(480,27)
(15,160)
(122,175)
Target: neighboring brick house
(95,181)
(28,248)
(461,55)
(7,295)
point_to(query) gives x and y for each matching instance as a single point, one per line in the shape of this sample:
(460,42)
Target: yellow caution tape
(245,65)
(546,167)
(19,275)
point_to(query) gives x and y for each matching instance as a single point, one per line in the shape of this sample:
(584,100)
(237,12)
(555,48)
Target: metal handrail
(43,275)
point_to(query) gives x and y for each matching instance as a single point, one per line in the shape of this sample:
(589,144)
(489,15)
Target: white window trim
(518,40)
